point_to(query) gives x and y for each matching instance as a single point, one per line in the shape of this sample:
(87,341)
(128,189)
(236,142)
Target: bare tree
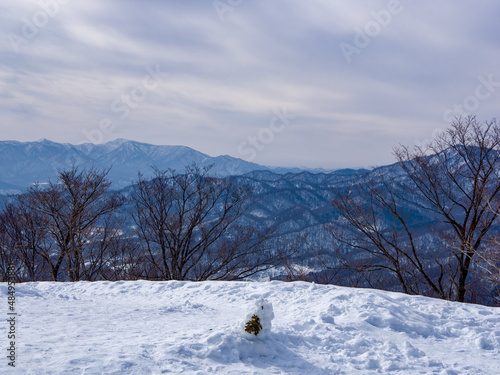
(123,259)
(188,225)
(103,248)
(459,184)
(489,261)
(374,239)
(76,210)
(487,268)
(9,240)
(23,241)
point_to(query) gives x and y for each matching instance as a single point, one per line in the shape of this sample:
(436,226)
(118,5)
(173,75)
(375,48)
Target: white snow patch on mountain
(142,327)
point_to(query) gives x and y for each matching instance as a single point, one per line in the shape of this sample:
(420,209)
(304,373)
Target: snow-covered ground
(177,327)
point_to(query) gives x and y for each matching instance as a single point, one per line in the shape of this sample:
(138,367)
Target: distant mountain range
(25,163)
(294,199)
(296,203)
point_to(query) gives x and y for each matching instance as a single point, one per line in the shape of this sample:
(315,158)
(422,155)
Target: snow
(143,327)
(264,311)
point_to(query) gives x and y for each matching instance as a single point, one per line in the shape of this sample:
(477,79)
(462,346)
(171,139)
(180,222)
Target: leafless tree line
(429,230)
(186,227)
(455,181)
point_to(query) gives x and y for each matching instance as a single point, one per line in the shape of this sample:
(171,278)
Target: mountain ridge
(26,163)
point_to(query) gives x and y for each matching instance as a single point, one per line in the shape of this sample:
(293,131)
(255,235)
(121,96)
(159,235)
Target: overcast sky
(291,83)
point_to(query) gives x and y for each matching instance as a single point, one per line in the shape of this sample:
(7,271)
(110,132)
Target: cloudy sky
(317,83)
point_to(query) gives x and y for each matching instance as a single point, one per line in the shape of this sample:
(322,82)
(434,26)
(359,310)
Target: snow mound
(142,327)
(264,311)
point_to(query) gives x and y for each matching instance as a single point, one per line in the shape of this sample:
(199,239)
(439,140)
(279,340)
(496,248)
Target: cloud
(226,77)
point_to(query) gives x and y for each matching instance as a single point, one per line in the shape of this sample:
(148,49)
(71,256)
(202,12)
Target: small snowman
(257,323)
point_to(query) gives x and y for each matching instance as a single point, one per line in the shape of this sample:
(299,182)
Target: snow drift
(144,327)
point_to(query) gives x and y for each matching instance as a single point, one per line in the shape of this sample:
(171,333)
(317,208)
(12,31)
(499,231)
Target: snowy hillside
(195,328)
(24,163)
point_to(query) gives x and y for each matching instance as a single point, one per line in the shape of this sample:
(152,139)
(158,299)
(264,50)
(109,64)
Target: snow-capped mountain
(25,163)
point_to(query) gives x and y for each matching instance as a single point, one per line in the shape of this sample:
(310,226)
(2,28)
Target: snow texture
(264,311)
(143,327)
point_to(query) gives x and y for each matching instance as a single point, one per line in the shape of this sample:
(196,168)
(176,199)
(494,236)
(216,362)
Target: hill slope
(24,163)
(194,328)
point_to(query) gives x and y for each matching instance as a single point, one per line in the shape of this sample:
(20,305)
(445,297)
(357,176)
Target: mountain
(179,327)
(25,163)
(297,205)
(295,201)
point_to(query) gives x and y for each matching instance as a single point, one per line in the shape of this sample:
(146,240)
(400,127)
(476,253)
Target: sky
(317,83)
